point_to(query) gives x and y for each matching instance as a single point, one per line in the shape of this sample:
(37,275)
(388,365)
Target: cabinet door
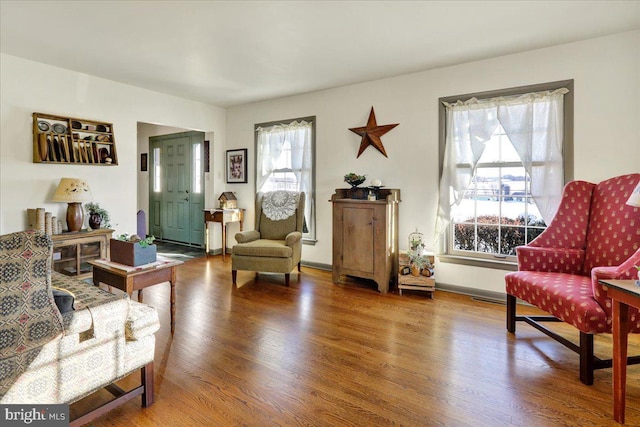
(357,239)
(65,259)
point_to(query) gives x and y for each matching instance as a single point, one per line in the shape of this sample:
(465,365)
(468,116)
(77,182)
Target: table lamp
(74,191)
(634,199)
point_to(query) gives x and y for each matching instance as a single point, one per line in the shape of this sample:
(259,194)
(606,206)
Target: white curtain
(534,125)
(270,143)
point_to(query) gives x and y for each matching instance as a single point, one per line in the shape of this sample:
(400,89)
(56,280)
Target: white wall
(27,87)
(607,131)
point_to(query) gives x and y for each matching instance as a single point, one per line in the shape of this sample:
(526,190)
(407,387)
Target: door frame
(196,224)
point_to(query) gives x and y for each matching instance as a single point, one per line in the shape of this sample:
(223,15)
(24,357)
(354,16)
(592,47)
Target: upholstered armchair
(275,245)
(594,235)
(48,356)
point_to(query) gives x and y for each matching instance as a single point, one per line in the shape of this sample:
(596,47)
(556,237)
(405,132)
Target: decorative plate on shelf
(43,126)
(59,128)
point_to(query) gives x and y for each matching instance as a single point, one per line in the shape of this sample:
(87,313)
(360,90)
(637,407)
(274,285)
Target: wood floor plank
(321,354)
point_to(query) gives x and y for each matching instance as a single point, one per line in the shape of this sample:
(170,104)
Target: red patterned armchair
(594,235)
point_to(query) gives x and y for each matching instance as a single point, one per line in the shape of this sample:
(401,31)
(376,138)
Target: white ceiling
(229,53)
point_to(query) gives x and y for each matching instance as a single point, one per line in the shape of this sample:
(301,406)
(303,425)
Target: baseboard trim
(488,296)
(316,265)
(480,294)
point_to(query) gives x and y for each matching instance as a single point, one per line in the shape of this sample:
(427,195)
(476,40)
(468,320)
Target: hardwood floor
(320,354)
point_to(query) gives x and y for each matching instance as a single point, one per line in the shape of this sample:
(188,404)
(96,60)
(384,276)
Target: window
(285,154)
(505,157)
(197,168)
(157,187)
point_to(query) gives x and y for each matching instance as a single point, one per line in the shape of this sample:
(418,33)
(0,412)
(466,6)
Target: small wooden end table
(129,279)
(415,283)
(623,293)
(223,216)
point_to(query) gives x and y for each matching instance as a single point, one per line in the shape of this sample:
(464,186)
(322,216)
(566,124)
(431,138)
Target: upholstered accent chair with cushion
(275,245)
(594,235)
(51,357)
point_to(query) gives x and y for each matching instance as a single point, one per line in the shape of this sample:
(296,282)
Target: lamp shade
(72,190)
(634,199)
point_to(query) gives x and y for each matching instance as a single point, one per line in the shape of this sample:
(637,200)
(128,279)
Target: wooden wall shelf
(68,140)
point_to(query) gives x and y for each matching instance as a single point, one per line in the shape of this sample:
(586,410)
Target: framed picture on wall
(143,162)
(237,166)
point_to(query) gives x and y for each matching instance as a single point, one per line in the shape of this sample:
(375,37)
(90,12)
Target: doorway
(176,188)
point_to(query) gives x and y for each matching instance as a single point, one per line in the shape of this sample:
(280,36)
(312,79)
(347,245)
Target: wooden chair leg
(234,275)
(146,376)
(286,279)
(511,313)
(299,268)
(586,358)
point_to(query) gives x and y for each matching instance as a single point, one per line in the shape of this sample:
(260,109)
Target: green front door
(176,188)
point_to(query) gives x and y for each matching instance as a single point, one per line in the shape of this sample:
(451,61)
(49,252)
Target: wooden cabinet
(365,237)
(62,140)
(72,251)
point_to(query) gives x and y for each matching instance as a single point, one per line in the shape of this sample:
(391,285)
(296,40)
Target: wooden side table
(415,283)
(129,279)
(223,216)
(623,293)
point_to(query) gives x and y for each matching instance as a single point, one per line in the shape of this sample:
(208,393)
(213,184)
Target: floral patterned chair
(594,235)
(51,357)
(275,245)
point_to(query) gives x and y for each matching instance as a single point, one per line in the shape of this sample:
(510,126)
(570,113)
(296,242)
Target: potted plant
(98,216)
(133,250)
(353,179)
(417,261)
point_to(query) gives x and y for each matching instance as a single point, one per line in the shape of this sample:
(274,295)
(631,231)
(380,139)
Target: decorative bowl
(354,179)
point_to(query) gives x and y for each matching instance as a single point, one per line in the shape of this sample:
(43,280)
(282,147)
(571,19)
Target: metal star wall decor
(371,134)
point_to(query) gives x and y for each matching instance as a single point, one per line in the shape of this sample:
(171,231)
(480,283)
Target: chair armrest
(141,321)
(292,238)
(247,236)
(624,271)
(77,321)
(532,258)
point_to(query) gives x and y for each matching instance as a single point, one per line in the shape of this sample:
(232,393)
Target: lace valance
(279,205)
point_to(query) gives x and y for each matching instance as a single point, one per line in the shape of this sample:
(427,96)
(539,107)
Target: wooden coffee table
(129,279)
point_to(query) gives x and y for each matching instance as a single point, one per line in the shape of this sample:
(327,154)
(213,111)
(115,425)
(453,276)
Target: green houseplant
(417,261)
(98,217)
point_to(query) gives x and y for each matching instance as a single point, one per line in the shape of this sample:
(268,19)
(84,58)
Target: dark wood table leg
(173,298)
(224,240)
(146,376)
(206,240)
(620,316)
(139,295)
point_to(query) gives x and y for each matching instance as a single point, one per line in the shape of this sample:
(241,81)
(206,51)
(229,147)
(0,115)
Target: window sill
(479,262)
(311,242)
